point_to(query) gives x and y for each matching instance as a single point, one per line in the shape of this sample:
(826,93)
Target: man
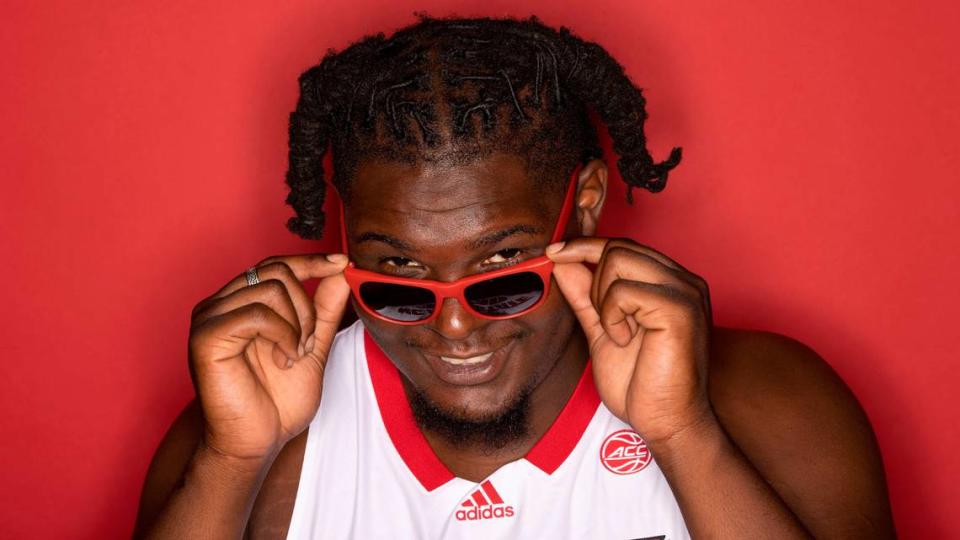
(511,375)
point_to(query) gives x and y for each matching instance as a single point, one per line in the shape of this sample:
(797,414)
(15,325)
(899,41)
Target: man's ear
(591,192)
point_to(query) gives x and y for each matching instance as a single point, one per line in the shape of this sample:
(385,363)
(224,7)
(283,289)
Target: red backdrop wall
(143,150)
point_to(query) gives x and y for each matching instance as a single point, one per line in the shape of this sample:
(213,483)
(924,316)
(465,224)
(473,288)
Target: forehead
(418,201)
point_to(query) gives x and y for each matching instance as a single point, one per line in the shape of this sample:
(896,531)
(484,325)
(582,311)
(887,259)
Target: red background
(143,149)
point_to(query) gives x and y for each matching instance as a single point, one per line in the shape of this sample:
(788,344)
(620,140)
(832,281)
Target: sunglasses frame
(541,265)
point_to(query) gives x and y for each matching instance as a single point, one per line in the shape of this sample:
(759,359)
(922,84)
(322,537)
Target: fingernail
(554,248)
(308,346)
(337,258)
(289,363)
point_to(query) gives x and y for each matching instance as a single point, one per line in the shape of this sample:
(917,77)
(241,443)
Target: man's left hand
(647,321)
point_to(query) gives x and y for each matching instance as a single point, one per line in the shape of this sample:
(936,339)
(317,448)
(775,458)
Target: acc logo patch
(624,452)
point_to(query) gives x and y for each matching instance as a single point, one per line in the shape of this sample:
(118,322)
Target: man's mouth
(468,370)
(467,361)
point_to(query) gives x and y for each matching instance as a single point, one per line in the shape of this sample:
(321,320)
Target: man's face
(444,222)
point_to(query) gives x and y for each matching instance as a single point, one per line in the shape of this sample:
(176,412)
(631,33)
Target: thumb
(575,280)
(330,300)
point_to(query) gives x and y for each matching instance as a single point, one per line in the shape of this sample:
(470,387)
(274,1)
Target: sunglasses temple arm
(343,225)
(567,207)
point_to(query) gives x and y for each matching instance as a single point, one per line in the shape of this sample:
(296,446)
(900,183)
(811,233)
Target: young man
(511,375)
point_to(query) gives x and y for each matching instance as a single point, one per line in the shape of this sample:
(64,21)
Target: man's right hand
(258,352)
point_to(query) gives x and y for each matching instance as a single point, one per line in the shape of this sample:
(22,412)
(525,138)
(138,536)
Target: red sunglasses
(500,294)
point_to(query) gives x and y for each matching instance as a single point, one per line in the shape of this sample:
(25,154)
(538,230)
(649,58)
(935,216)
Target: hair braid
(622,108)
(309,137)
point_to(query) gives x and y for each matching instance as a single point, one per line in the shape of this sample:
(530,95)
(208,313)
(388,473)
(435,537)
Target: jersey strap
(547,454)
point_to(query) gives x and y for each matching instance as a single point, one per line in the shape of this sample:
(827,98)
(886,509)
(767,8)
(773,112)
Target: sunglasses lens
(507,295)
(398,302)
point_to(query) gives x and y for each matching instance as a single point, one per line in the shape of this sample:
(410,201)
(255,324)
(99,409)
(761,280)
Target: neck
(475,460)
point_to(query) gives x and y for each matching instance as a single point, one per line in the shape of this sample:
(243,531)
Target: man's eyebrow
(483,241)
(386,239)
(499,236)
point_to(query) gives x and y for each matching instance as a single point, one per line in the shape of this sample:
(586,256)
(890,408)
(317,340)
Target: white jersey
(368,471)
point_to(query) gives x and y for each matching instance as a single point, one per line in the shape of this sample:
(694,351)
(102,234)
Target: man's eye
(401,262)
(503,256)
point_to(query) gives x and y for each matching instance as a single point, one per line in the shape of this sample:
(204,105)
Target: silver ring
(252,276)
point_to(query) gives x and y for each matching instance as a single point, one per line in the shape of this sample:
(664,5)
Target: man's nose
(454,321)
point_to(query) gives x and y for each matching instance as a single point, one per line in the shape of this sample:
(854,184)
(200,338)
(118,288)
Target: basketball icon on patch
(624,452)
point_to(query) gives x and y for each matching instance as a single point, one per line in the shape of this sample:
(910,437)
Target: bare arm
(214,499)
(791,453)
(187,483)
(168,466)
(719,492)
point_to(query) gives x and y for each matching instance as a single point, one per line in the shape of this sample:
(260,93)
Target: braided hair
(455,90)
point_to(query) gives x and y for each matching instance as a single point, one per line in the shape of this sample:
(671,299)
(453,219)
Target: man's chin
(465,427)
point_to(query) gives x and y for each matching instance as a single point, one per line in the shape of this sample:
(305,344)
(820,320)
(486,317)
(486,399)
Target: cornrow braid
(456,90)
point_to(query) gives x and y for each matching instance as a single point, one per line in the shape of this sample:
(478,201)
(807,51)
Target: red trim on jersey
(557,443)
(547,454)
(398,419)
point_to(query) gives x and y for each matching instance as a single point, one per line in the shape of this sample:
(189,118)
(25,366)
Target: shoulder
(802,428)
(751,366)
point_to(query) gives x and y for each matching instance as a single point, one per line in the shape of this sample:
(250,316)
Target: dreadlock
(455,90)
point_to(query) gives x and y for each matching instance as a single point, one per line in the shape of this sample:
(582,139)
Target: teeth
(467,361)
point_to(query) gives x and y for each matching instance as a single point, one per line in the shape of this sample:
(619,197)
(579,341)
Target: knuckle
(199,308)
(276,269)
(702,285)
(621,286)
(197,338)
(273,287)
(689,291)
(262,314)
(618,252)
(624,244)
(616,258)
(620,241)
(270,260)
(685,296)
(258,312)
(621,290)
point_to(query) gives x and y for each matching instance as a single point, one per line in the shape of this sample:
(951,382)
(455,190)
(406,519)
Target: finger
(681,272)
(329,300)
(652,306)
(320,266)
(265,358)
(560,252)
(587,249)
(303,267)
(274,293)
(574,280)
(646,250)
(315,265)
(292,270)
(227,335)
(623,263)
(281,270)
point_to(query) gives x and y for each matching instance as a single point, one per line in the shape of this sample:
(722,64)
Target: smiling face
(445,222)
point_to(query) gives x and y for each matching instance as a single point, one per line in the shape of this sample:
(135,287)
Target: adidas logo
(484,503)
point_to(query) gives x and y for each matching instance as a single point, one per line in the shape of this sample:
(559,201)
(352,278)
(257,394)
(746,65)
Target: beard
(489,434)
